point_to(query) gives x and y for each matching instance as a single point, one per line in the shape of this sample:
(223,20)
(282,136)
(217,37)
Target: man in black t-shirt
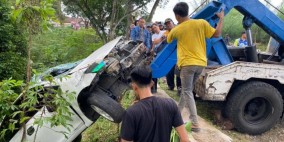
(150,119)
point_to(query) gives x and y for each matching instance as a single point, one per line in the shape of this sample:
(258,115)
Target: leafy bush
(12,47)
(14,114)
(63,45)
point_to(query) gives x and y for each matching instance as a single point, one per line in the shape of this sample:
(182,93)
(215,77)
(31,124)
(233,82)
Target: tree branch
(130,12)
(92,19)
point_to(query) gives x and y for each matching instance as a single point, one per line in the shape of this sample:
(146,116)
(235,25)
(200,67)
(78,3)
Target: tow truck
(251,86)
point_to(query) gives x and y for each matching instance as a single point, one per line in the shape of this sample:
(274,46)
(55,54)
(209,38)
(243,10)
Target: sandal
(195,128)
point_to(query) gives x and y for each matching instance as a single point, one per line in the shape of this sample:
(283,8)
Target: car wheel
(78,138)
(254,107)
(86,109)
(106,107)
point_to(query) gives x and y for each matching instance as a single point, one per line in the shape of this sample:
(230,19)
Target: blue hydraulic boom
(254,12)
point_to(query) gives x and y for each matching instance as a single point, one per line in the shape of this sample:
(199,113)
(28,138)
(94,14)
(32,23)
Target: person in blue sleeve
(140,34)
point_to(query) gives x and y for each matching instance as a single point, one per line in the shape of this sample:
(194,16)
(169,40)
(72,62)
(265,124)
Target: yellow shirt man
(166,33)
(191,48)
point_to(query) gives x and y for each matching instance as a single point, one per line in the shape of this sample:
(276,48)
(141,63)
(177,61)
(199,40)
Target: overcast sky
(167,12)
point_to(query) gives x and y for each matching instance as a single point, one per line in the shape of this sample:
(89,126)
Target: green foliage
(233,26)
(34,15)
(281,16)
(174,134)
(30,101)
(101,131)
(109,14)
(59,14)
(63,45)
(12,46)
(7,97)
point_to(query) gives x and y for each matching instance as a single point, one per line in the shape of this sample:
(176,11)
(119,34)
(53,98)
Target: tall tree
(13,51)
(58,9)
(107,17)
(156,4)
(197,5)
(281,8)
(34,16)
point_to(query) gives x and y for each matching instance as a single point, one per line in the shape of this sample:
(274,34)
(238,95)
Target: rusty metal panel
(216,84)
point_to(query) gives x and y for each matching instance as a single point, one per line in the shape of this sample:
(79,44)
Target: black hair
(243,33)
(141,75)
(154,24)
(135,22)
(181,9)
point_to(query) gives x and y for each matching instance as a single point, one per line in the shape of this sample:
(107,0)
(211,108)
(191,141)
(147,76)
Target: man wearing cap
(152,118)
(169,24)
(191,53)
(140,34)
(161,27)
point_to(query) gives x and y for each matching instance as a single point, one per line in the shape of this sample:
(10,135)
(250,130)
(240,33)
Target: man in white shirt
(157,38)
(157,46)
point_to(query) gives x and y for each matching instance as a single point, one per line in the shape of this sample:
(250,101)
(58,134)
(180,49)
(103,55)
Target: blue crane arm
(215,47)
(261,16)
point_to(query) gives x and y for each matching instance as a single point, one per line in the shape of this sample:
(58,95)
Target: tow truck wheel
(106,107)
(254,107)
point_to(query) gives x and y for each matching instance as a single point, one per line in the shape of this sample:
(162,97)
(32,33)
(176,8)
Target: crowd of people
(154,38)
(151,118)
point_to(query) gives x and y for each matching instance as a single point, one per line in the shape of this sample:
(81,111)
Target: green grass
(101,131)
(63,45)
(261,47)
(171,93)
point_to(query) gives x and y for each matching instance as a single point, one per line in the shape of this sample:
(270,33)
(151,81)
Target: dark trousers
(155,86)
(171,79)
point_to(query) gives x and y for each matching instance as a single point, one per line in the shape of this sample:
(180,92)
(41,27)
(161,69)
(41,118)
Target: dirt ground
(276,134)
(208,133)
(214,133)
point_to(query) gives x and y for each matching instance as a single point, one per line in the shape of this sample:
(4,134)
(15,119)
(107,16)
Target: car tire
(78,138)
(254,107)
(106,107)
(86,109)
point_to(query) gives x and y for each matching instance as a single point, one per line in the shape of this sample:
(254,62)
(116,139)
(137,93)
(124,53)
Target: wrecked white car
(97,81)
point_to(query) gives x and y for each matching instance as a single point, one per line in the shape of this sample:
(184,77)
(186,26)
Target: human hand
(152,51)
(221,14)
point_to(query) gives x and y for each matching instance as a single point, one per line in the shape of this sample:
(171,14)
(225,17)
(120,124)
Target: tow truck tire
(254,107)
(106,107)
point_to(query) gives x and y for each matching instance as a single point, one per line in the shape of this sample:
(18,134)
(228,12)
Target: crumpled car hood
(97,56)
